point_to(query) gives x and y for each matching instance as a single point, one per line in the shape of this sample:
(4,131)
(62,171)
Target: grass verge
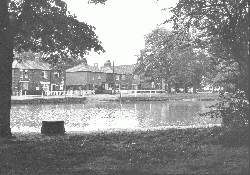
(172,151)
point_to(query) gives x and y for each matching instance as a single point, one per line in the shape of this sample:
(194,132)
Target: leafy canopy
(46,26)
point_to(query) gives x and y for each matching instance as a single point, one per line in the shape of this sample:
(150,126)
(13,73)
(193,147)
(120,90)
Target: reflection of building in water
(164,111)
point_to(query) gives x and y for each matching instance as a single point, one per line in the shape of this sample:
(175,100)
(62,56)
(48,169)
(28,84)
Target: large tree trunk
(6,57)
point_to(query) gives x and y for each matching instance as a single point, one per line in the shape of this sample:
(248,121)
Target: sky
(121,26)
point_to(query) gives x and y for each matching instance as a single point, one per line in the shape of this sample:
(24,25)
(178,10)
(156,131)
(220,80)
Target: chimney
(107,64)
(95,64)
(84,61)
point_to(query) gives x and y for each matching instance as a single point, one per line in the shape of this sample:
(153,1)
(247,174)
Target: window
(25,85)
(117,77)
(53,87)
(61,87)
(135,77)
(106,86)
(45,74)
(117,86)
(45,87)
(24,73)
(93,76)
(56,74)
(99,77)
(123,86)
(123,77)
(134,87)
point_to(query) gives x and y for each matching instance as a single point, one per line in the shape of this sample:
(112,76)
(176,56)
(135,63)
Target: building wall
(84,78)
(131,80)
(58,80)
(96,80)
(76,78)
(34,78)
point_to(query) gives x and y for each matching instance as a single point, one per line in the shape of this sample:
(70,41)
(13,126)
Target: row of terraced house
(37,76)
(109,77)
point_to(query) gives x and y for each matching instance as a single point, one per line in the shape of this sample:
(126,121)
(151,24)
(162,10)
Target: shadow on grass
(198,150)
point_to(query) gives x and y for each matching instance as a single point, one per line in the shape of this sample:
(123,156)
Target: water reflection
(111,115)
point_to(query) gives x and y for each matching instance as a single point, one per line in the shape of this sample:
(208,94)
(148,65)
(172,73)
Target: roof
(106,69)
(122,69)
(29,64)
(83,68)
(125,69)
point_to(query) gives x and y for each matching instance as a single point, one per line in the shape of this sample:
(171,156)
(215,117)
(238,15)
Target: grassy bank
(173,151)
(48,100)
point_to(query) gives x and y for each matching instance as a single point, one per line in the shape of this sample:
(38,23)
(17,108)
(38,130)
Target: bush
(107,91)
(99,89)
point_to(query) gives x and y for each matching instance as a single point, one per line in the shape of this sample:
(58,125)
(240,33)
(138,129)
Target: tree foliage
(169,55)
(46,26)
(39,26)
(222,28)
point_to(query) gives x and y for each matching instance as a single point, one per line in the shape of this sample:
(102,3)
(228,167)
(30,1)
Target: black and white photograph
(124,86)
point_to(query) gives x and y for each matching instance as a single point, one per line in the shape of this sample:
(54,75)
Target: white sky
(121,26)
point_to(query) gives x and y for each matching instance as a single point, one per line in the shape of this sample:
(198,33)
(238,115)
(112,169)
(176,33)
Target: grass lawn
(172,151)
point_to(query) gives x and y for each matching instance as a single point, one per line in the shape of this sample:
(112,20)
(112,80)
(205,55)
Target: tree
(168,55)
(222,28)
(40,26)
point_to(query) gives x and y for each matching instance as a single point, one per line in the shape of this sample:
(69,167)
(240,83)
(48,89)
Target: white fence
(137,93)
(70,93)
(60,93)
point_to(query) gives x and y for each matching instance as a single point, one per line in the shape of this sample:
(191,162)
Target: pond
(94,116)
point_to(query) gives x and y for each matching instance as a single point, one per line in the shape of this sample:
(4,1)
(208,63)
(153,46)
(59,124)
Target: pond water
(94,116)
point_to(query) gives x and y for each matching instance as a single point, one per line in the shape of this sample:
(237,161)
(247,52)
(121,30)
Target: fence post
(149,93)
(42,94)
(135,93)
(71,93)
(25,94)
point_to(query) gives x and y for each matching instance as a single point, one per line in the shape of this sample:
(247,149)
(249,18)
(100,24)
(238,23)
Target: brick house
(129,80)
(112,77)
(51,80)
(29,75)
(85,77)
(57,80)
(124,78)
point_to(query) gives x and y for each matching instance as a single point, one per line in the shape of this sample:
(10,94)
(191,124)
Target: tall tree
(222,28)
(169,56)
(40,26)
